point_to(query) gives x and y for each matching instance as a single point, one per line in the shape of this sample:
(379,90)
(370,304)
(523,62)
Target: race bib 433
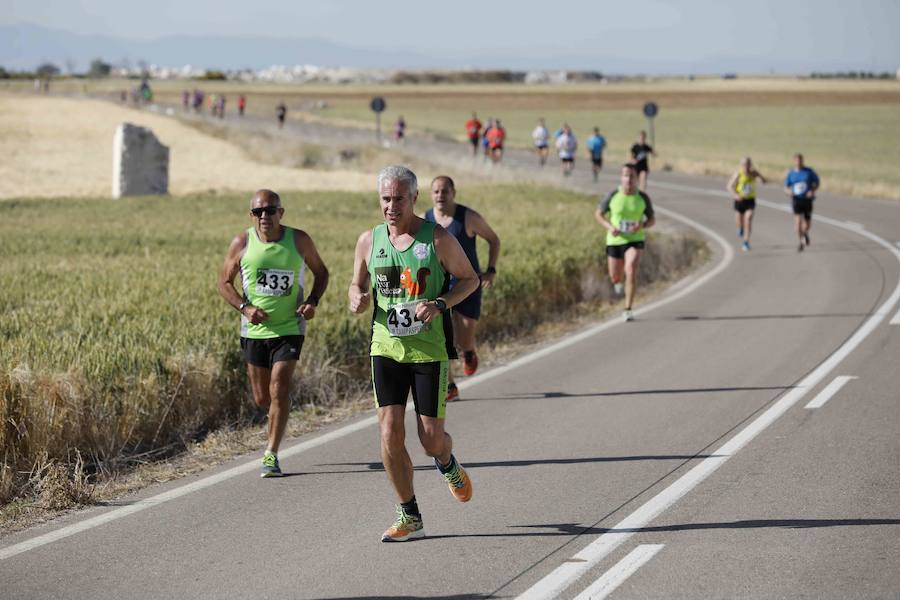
(274,282)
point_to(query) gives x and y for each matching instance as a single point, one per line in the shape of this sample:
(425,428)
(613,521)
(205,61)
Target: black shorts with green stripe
(392,382)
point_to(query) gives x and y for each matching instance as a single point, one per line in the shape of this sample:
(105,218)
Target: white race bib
(402,321)
(800,188)
(274,282)
(628,226)
(747,189)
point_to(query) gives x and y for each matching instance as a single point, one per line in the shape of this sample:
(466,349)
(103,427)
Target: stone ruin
(140,162)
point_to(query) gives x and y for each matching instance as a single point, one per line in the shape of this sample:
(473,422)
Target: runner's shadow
(712,390)
(378,467)
(764,317)
(574,529)
(430,597)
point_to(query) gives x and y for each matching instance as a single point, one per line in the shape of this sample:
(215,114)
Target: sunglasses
(269,210)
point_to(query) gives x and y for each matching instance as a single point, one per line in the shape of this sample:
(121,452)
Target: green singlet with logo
(400,281)
(626,211)
(272,278)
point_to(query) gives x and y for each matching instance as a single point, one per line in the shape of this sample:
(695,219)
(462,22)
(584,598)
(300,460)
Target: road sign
(378,105)
(650,111)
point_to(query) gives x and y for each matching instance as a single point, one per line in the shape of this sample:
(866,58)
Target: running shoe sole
(387,538)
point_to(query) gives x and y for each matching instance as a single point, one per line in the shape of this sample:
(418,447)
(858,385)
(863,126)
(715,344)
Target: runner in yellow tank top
(271,260)
(742,187)
(404,264)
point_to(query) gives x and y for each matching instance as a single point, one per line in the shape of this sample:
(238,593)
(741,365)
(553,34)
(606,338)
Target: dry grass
(63,147)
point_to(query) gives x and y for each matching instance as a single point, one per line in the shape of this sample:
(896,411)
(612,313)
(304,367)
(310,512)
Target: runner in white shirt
(567,144)
(541,135)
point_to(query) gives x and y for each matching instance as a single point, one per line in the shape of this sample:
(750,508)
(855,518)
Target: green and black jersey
(626,211)
(401,279)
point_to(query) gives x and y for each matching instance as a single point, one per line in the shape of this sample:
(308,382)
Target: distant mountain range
(25,46)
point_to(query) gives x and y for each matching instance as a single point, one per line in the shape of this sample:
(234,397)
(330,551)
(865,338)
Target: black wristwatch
(441,304)
(312,299)
(491,271)
(243,306)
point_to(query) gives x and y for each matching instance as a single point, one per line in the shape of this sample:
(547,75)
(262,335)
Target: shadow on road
(377,466)
(544,395)
(763,317)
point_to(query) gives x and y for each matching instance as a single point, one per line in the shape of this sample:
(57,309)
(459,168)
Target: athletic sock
(449,467)
(411,507)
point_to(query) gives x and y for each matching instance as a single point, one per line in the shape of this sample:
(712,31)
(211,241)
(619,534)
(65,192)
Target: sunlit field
(846,129)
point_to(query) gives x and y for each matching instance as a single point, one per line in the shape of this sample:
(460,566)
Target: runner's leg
(280,406)
(632,260)
(394,456)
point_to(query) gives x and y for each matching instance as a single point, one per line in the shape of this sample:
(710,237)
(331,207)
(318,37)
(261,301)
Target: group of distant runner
(422,279)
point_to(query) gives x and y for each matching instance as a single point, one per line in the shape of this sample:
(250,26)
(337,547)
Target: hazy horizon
(770,36)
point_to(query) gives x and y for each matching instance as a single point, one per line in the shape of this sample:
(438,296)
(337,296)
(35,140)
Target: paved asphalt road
(671,457)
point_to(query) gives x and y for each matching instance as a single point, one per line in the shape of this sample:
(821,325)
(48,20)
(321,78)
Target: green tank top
(625,212)
(401,280)
(745,186)
(272,278)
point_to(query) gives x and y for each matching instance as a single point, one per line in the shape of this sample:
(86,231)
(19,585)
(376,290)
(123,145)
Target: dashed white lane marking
(829,390)
(566,574)
(622,570)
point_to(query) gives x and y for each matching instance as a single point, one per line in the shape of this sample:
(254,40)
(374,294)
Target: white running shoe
(619,288)
(628,316)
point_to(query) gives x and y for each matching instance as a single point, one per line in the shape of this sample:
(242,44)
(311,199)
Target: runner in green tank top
(626,214)
(271,259)
(405,263)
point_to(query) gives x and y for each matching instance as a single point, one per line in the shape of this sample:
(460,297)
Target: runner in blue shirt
(801,184)
(595,145)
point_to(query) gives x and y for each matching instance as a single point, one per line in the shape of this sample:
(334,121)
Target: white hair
(399,173)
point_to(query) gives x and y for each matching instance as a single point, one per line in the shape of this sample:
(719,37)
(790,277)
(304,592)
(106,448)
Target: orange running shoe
(457,480)
(406,527)
(452,393)
(470,362)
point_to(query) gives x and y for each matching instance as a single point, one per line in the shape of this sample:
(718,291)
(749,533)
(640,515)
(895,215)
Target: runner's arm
(230,269)
(732,186)
(358,294)
(307,249)
(225,283)
(480,227)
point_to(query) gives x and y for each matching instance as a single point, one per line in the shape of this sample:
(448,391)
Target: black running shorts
(803,206)
(392,382)
(266,352)
(619,251)
(744,205)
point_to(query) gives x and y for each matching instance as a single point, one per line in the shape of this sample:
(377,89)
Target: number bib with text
(274,282)
(800,188)
(628,226)
(402,321)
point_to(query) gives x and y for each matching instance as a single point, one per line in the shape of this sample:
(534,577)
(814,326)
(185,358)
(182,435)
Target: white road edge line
(830,390)
(896,319)
(622,570)
(566,574)
(178,492)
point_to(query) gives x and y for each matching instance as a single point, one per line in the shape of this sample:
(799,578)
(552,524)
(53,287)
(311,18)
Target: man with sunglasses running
(271,259)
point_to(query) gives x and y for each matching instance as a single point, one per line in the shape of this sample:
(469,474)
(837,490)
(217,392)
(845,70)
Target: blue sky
(758,35)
